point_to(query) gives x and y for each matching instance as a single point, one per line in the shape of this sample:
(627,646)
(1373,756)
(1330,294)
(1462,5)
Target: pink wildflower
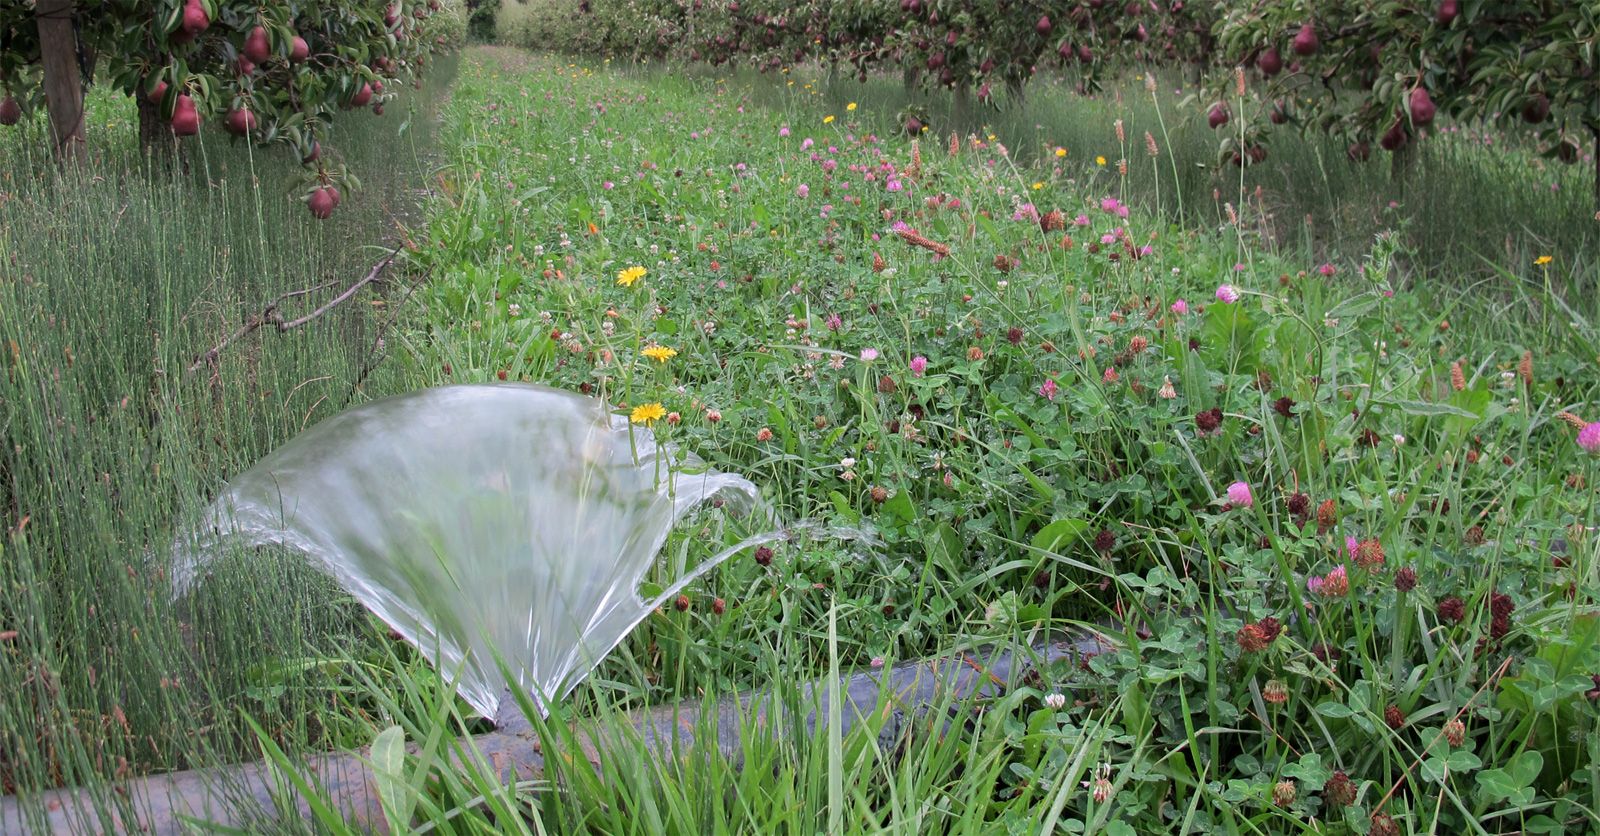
(919,364)
(1336,583)
(1327,269)
(1227,293)
(1048,389)
(1589,438)
(783,131)
(802,190)
(869,354)
(1239,495)
(1180,307)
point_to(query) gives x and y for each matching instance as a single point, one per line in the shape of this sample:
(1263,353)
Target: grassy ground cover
(114,282)
(1339,521)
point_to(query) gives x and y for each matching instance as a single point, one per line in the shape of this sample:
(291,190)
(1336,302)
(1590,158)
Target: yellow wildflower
(850,107)
(659,353)
(827,120)
(627,277)
(1060,152)
(1038,186)
(1543,260)
(1099,160)
(647,414)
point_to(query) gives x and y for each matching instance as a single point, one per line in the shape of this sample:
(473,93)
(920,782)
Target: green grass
(113,281)
(1003,510)
(1000,507)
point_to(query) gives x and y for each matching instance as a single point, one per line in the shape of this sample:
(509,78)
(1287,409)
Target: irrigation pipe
(906,695)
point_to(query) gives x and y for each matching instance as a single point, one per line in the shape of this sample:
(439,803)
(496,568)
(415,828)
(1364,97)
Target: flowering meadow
(1334,519)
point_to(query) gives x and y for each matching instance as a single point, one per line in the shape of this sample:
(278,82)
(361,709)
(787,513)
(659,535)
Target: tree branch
(272,315)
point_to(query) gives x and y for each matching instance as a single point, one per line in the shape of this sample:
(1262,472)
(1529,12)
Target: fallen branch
(900,701)
(271,315)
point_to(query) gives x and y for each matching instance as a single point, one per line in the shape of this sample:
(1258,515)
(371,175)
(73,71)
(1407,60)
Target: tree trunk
(908,77)
(63,86)
(1596,131)
(1403,166)
(156,141)
(961,107)
(1016,88)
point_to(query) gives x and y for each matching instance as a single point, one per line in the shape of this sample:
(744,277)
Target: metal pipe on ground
(245,794)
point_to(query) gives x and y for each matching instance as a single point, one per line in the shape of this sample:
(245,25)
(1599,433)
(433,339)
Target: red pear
(362,96)
(322,202)
(1278,116)
(1305,41)
(1448,9)
(157,95)
(1043,27)
(1270,62)
(1422,107)
(241,122)
(1218,116)
(195,19)
(185,117)
(245,65)
(10,111)
(299,50)
(1395,138)
(256,46)
(1537,109)
(314,154)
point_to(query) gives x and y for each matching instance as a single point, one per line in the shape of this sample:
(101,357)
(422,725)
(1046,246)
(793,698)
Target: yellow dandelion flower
(1543,260)
(850,107)
(659,353)
(647,414)
(1099,160)
(1038,186)
(827,120)
(1060,152)
(627,277)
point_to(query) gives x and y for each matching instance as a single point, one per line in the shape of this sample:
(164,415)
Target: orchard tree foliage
(1381,73)
(961,45)
(273,73)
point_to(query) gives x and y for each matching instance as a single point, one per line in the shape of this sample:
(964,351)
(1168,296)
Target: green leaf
(1429,409)
(1333,709)
(1058,532)
(1309,769)
(388,772)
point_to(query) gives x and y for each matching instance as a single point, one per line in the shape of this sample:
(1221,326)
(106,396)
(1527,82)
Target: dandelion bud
(880,494)
(719,606)
(682,604)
